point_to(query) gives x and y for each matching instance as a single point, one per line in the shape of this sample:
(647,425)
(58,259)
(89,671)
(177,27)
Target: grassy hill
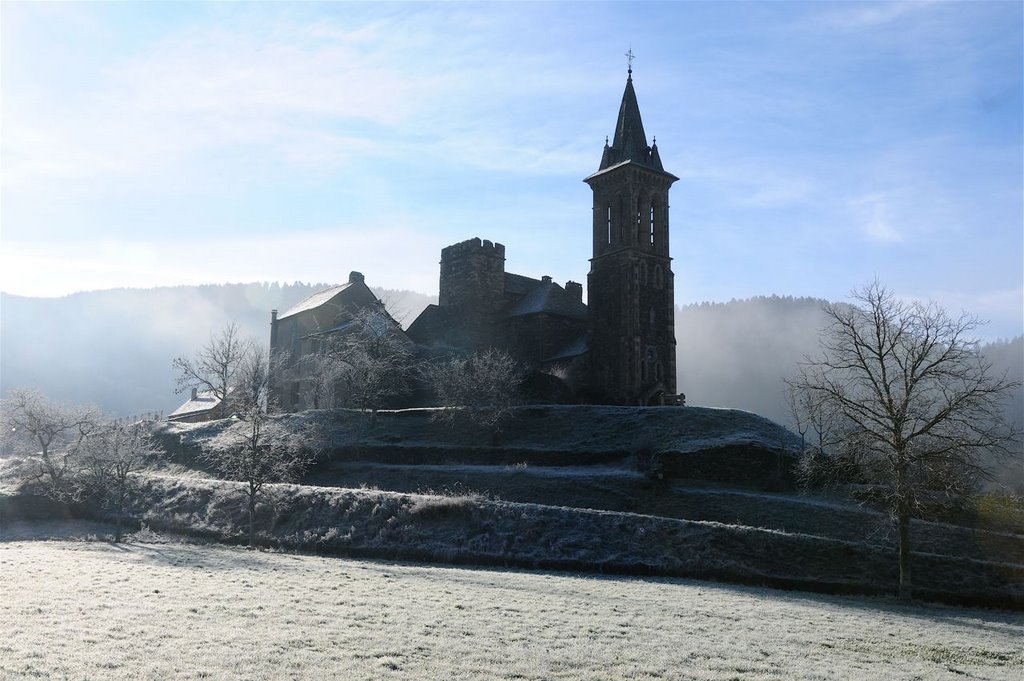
(561,490)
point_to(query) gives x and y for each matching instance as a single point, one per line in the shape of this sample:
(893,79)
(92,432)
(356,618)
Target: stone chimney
(355,278)
(195,393)
(574,289)
(546,279)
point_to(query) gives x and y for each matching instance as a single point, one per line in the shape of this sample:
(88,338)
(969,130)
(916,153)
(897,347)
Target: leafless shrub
(482,388)
(50,436)
(111,456)
(647,459)
(259,450)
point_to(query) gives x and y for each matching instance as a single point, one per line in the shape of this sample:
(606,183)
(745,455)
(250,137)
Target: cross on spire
(629,60)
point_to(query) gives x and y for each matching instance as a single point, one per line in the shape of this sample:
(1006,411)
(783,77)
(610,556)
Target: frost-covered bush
(647,459)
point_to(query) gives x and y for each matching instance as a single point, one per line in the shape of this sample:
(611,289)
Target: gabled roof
(550,298)
(204,401)
(315,300)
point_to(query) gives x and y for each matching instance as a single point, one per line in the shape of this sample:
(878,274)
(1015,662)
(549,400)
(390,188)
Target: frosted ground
(160,610)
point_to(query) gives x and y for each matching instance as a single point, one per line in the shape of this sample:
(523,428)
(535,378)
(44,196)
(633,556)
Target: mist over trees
(113,348)
(736,354)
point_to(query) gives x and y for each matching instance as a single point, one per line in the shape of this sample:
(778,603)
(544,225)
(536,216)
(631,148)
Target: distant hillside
(737,354)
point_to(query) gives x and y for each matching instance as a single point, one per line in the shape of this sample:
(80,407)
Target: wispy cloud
(1000,310)
(830,138)
(308,93)
(875,218)
(59,268)
(865,15)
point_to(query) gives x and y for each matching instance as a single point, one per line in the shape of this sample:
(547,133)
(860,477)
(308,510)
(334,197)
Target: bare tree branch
(915,398)
(214,368)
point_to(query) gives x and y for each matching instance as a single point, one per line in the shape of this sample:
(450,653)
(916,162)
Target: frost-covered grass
(76,610)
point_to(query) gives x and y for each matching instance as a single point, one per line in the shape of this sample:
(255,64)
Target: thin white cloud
(200,92)
(748,182)
(866,15)
(874,216)
(310,94)
(1000,310)
(389,256)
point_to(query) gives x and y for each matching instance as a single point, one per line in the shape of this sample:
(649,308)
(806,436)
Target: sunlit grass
(93,610)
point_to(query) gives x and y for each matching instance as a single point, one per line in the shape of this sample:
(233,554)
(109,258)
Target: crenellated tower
(630,284)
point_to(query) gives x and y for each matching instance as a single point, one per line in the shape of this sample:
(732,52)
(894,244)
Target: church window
(658,277)
(609,224)
(652,223)
(657,371)
(650,316)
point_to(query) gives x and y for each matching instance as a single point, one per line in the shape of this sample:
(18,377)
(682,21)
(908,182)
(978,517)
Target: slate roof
(550,298)
(430,325)
(517,284)
(315,300)
(574,348)
(203,402)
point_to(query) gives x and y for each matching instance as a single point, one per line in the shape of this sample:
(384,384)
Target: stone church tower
(630,284)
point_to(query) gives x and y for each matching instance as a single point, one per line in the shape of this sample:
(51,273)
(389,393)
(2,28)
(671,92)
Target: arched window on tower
(609,213)
(659,277)
(653,221)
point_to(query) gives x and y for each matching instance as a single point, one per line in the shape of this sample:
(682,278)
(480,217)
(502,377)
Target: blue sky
(818,145)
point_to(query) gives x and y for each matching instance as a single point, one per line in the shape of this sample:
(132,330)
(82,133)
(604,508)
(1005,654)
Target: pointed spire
(629,142)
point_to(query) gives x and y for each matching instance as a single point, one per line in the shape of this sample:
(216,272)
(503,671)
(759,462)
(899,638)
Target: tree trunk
(904,525)
(252,522)
(118,512)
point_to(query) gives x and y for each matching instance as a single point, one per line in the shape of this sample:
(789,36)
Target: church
(617,348)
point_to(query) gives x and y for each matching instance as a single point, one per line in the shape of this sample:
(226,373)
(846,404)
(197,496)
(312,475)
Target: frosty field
(75,610)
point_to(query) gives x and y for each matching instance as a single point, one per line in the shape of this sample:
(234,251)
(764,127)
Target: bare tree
(372,362)
(823,461)
(920,403)
(258,450)
(483,387)
(215,367)
(258,372)
(319,375)
(53,434)
(111,455)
